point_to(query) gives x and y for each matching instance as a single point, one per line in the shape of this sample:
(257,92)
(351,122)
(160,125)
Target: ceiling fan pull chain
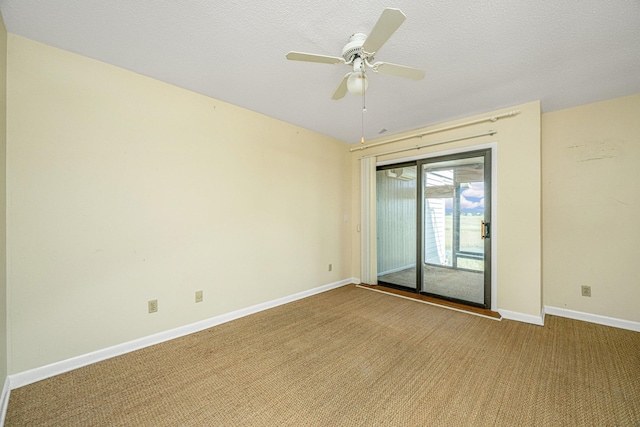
(364,109)
(364,89)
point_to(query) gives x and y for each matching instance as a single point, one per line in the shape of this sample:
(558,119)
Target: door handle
(485,230)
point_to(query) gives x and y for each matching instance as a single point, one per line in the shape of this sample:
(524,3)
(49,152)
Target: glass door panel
(396,225)
(453,224)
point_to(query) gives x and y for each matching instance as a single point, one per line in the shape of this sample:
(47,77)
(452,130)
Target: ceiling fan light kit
(359,52)
(357,82)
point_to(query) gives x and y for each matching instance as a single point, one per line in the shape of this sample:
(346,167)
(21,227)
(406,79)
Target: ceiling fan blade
(341,90)
(312,57)
(387,24)
(398,70)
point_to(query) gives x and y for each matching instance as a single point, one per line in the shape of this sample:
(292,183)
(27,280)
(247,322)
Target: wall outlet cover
(153,306)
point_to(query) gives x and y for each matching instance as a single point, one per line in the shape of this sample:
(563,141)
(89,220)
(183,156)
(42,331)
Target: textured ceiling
(478,55)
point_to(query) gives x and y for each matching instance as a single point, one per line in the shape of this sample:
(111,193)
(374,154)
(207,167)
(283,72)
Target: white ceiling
(479,56)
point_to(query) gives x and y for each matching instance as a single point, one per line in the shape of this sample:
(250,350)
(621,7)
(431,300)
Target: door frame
(493,146)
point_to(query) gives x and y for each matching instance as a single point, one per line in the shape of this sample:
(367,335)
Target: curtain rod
(421,134)
(417,147)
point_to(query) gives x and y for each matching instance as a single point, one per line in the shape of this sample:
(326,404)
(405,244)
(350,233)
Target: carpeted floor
(353,357)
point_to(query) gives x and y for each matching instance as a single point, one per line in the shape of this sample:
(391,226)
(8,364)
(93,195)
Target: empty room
(319,214)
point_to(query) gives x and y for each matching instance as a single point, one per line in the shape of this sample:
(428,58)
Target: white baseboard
(37,374)
(594,318)
(521,317)
(4,400)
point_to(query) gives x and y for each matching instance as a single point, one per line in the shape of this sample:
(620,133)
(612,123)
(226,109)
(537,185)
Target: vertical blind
(368,267)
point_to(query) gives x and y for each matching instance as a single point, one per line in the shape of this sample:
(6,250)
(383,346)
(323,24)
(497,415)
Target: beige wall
(591,183)
(518,226)
(122,189)
(3,202)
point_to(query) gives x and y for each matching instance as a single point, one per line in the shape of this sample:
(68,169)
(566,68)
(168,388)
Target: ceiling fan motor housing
(353,49)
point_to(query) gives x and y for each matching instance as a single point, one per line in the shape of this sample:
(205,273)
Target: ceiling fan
(359,53)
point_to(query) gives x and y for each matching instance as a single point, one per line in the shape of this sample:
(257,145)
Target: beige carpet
(353,357)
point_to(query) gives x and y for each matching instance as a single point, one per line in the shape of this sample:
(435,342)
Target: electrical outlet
(586,291)
(198,296)
(153,305)
(330,267)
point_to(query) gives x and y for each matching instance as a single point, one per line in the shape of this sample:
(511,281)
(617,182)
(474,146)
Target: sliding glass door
(444,250)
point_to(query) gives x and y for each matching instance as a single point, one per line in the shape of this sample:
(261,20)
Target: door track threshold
(482,312)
